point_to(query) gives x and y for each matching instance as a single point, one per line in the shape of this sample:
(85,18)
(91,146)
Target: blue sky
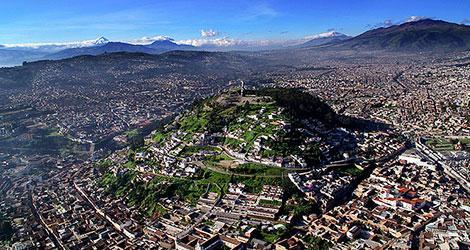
(31,21)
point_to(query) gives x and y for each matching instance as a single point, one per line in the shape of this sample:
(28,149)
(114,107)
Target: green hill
(276,127)
(254,140)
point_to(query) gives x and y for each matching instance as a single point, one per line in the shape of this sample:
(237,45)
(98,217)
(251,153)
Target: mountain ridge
(325,38)
(416,36)
(156,47)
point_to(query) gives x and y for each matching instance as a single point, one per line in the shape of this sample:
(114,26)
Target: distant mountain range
(417,36)
(167,45)
(156,47)
(110,47)
(16,55)
(325,38)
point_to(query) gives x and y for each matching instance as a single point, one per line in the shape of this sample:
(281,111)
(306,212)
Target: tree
(6,229)
(316,243)
(135,139)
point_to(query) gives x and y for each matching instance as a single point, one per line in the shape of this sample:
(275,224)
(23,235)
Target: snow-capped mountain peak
(53,47)
(101,40)
(88,43)
(325,34)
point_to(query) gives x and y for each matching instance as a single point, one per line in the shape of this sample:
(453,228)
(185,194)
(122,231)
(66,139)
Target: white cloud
(385,24)
(323,35)
(265,10)
(228,42)
(415,18)
(148,40)
(209,33)
(259,11)
(388,23)
(219,42)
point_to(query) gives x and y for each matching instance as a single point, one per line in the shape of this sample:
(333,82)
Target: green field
(272,237)
(214,159)
(270,203)
(349,170)
(258,169)
(160,137)
(446,144)
(190,150)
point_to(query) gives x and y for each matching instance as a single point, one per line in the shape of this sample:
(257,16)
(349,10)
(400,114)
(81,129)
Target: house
(212,243)
(231,242)
(292,243)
